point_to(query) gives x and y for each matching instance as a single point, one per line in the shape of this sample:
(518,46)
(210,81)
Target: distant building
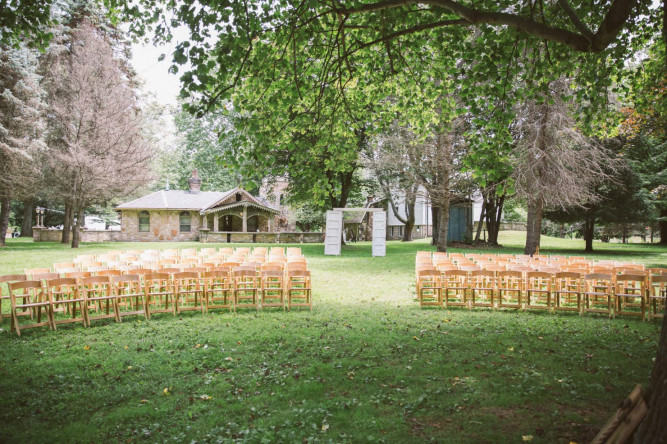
(177,215)
(460,218)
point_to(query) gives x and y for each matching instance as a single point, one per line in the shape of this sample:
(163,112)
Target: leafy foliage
(199,145)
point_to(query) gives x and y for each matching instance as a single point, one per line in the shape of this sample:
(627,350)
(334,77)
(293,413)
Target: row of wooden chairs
(496,262)
(152,254)
(206,257)
(49,273)
(637,294)
(85,299)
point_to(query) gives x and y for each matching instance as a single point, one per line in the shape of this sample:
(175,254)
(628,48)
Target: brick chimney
(194,182)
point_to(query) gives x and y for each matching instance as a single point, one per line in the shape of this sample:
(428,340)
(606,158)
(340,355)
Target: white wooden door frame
(334,230)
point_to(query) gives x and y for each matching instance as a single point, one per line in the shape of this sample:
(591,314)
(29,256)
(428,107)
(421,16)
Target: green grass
(367,364)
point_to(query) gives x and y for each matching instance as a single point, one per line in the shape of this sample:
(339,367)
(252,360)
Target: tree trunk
(5,203)
(443,226)
(533,226)
(67,223)
(663,224)
(480,223)
(654,427)
(589,231)
(624,233)
(26,226)
(436,224)
(76,235)
(493,215)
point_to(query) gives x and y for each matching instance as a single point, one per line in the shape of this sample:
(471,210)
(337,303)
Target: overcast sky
(155,74)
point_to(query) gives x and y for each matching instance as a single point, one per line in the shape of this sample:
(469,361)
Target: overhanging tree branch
(616,17)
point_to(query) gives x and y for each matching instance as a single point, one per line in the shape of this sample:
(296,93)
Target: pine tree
(20,126)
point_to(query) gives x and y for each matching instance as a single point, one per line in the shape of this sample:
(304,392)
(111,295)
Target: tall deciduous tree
(554,164)
(20,126)
(197,144)
(97,148)
(389,160)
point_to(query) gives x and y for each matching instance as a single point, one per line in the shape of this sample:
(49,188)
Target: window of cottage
(144,221)
(184,221)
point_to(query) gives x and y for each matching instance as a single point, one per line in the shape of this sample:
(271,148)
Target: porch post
(245,219)
(215,222)
(204,224)
(271,223)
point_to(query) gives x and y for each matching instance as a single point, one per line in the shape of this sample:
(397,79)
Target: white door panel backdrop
(334,230)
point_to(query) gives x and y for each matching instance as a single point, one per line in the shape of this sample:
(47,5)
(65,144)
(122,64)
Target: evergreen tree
(20,126)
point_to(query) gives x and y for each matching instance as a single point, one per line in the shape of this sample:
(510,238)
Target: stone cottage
(177,215)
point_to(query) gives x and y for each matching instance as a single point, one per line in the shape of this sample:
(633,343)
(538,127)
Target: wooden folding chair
(188,263)
(7,279)
(166,263)
(454,288)
(218,289)
(78,274)
(107,257)
(510,289)
(62,265)
(429,288)
(109,273)
(538,290)
(205,252)
(567,291)
(188,292)
(99,294)
(159,294)
(64,296)
(43,277)
(273,289)
(247,286)
(272,266)
(598,294)
(30,272)
(291,251)
(170,253)
(188,252)
(28,297)
(657,296)
(630,294)
(294,266)
(130,296)
(299,291)
(482,288)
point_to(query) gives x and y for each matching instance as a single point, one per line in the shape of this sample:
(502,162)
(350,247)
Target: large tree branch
(574,18)
(612,24)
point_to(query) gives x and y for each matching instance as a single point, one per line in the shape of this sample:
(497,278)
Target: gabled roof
(185,200)
(176,200)
(248,199)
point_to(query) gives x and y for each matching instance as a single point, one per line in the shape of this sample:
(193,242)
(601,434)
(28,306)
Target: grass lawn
(367,364)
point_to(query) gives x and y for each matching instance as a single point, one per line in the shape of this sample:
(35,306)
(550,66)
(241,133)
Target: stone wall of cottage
(164,226)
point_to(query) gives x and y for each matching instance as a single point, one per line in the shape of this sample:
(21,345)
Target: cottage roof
(176,200)
(186,200)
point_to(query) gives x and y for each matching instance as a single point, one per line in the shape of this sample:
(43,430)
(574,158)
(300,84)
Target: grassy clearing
(365,365)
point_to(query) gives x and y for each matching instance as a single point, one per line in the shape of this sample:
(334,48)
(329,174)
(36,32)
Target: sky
(154,74)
